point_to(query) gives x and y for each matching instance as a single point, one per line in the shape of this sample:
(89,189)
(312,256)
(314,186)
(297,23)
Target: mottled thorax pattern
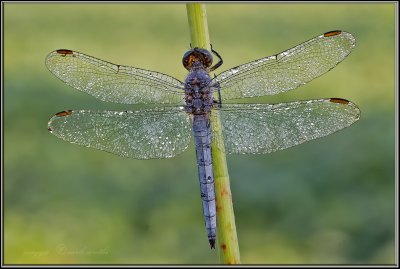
(198,93)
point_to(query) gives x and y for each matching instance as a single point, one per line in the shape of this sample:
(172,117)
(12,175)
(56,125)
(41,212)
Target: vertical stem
(198,26)
(226,229)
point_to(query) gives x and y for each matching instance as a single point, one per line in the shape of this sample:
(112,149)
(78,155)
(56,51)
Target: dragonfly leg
(220,62)
(216,86)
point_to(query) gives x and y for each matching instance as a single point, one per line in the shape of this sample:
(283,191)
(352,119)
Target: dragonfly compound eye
(199,55)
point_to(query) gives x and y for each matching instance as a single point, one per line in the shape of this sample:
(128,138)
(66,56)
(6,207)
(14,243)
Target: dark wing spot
(64,52)
(332,33)
(339,101)
(64,113)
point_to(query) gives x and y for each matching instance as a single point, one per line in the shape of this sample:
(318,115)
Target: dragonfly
(175,110)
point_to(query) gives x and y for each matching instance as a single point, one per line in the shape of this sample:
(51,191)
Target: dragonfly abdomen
(202,139)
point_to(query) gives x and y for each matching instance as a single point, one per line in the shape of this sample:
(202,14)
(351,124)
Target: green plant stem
(227,241)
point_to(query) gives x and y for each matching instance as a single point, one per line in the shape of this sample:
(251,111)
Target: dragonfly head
(199,55)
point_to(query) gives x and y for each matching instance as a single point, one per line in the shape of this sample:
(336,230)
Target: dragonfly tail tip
(212,243)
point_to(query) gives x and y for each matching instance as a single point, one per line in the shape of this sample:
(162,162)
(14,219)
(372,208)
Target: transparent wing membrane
(264,128)
(114,83)
(143,134)
(287,70)
(166,131)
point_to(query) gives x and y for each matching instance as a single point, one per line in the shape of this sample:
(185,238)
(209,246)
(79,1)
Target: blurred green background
(330,201)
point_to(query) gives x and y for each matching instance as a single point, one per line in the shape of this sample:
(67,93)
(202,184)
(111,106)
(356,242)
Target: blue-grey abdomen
(202,139)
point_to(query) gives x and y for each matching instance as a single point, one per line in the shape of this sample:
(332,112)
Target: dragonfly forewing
(265,128)
(287,70)
(114,83)
(143,134)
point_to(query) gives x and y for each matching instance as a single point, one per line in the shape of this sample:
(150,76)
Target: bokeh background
(329,201)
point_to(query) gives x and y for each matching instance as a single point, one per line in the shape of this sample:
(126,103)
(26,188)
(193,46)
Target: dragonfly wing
(287,70)
(265,128)
(143,134)
(114,83)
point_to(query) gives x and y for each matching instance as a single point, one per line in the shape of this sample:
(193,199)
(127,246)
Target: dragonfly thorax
(198,91)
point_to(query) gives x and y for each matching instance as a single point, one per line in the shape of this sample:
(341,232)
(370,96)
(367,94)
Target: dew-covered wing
(287,70)
(143,134)
(265,128)
(114,83)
